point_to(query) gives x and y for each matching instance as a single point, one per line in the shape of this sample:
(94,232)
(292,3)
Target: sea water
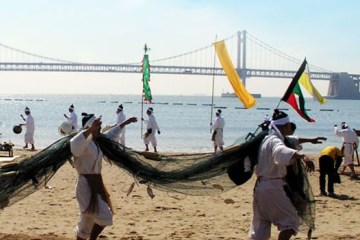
(184,121)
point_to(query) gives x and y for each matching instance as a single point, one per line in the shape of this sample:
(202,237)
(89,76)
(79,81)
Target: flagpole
(142,110)
(278,104)
(213,84)
(142,94)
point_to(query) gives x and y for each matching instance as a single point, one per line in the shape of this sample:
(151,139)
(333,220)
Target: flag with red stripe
(294,96)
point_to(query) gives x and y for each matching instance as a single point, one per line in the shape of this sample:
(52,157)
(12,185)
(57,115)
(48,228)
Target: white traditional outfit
(218,128)
(271,204)
(294,141)
(350,142)
(92,197)
(73,119)
(119,119)
(151,128)
(30,129)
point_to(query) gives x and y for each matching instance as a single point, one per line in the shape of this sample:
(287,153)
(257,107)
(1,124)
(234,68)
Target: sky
(115,31)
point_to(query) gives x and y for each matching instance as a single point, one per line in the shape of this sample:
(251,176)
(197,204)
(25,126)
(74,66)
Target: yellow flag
(245,97)
(305,81)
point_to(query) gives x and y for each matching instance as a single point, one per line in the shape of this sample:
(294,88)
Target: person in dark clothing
(329,162)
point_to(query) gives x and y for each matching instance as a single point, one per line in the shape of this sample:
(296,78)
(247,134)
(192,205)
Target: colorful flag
(245,97)
(305,82)
(294,96)
(146,79)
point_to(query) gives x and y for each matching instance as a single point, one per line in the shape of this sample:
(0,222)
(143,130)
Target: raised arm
(128,121)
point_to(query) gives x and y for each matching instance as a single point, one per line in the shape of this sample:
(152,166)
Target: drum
(65,128)
(17,129)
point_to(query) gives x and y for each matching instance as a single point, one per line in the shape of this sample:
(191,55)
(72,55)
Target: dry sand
(52,213)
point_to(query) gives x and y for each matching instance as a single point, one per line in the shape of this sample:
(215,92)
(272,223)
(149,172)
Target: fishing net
(20,179)
(300,192)
(194,173)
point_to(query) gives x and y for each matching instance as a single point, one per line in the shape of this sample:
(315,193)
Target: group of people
(149,137)
(271,202)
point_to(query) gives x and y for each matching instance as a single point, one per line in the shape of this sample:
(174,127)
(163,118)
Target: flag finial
(146,48)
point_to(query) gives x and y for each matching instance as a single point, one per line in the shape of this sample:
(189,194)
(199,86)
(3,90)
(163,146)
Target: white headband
(89,122)
(281,121)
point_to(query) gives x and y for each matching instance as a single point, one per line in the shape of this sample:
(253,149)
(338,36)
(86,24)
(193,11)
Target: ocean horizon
(184,120)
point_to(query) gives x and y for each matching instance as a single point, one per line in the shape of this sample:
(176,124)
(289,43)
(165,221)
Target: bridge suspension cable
(34,55)
(201,57)
(283,55)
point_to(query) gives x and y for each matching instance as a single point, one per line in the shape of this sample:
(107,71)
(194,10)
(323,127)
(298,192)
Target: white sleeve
(113,132)
(156,126)
(282,154)
(78,143)
(216,124)
(338,132)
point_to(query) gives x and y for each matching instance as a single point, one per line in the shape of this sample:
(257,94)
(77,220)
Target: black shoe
(323,194)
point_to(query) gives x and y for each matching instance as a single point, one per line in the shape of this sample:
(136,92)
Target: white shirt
(151,123)
(219,123)
(30,124)
(294,140)
(274,157)
(348,135)
(73,120)
(120,117)
(87,153)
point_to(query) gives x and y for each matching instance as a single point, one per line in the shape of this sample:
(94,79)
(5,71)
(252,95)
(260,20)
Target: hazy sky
(114,31)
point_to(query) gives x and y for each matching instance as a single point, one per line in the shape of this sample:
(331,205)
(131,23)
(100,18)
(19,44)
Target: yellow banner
(305,81)
(245,97)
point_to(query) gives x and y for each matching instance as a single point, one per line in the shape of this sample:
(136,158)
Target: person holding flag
(151,128)
(271,203)
(218,131)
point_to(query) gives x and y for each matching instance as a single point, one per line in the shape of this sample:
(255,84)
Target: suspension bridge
(251,57)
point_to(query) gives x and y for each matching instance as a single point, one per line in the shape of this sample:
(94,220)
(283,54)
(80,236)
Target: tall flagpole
(142,92)
(213,84)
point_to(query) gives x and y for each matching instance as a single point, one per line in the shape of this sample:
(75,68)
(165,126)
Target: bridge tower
(241,56)
(341,86)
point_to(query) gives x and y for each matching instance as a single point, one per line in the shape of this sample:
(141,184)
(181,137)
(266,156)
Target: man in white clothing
(218,131)
(119,119)
(93,199)
(151,128)
(72,118)
(271,205)
(350,143)
(30,129)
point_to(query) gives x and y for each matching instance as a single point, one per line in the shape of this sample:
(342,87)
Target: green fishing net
(192,173)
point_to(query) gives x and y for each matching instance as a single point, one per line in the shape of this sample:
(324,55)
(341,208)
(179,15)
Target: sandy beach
(51,213)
